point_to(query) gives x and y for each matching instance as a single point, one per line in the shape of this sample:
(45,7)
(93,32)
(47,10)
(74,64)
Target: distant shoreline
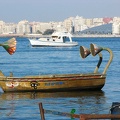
(85,35)
(38,35)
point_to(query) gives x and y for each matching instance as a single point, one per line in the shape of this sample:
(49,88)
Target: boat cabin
(61,37)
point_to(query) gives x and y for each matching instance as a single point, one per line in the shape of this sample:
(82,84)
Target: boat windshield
(66,39)
(55,37)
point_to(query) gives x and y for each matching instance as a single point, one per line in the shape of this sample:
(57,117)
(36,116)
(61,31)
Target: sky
(13,11)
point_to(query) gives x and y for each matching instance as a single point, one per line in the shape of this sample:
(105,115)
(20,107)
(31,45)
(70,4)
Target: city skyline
(54,10)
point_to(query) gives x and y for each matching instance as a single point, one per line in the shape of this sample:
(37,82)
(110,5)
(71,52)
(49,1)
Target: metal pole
(99,63)
(62,113)
(110,59)
(98,116)
(41,111)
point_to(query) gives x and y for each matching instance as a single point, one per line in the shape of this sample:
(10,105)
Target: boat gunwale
(38,79)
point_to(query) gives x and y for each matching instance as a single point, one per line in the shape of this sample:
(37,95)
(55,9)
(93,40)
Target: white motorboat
(57,39)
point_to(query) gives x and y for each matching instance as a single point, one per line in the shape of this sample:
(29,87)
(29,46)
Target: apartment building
(23,27)
(2,27)
(71,24)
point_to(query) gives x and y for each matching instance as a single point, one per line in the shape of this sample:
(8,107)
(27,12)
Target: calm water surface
(39,61)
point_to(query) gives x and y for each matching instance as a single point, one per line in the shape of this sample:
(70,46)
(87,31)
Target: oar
(10,46)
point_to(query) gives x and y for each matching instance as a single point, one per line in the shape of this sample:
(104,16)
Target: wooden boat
(60,82)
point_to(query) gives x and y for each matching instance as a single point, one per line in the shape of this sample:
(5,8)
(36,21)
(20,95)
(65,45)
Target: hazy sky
(56,10)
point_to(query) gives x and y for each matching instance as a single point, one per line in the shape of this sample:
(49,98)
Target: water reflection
(26,103)
(35,95)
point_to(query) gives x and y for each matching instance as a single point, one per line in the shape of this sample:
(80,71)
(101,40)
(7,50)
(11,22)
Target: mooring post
(41,111)
(82,117)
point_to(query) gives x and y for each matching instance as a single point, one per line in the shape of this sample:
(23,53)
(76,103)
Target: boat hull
(39,43)
(53,83)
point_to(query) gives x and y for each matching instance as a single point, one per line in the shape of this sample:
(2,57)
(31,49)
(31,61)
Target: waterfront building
(116,25)
(23,27)
(98,21)
(116,19)
(88,22)
(79,22)
(72,24)
(35,27)
(10,28)
(116,28)
(107,20)
(68,23)
(2,27)
(41,27)
(60,26)
(101,29)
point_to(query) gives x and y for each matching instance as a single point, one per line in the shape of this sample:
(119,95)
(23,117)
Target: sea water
(53,60)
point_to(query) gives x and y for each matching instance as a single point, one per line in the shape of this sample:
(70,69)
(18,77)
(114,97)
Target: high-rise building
(23,27)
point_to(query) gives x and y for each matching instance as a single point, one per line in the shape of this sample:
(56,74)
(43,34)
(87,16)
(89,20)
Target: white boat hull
(39,43)
(57,39)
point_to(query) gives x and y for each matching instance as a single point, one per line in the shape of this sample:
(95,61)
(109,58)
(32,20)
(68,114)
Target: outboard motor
(115,109)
